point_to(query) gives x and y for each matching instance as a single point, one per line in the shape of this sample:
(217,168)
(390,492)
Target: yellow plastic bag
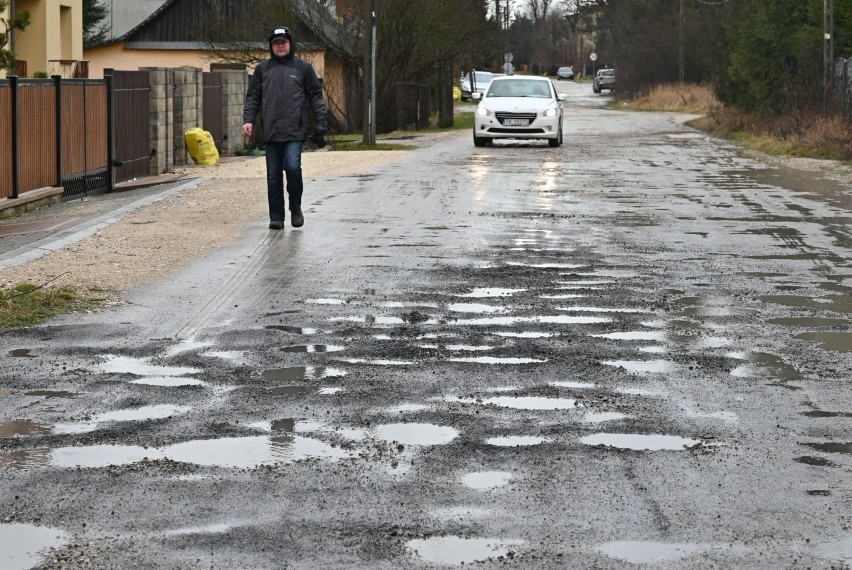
(201,147)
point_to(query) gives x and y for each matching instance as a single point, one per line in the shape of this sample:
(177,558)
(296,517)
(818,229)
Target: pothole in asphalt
(643,366)
(458,347)
(545,265)
(25,546)
(23,428)
(485,480)
(486,292)
(655,336)
(563,296)
(370,320)
(496,360)
(532,403)
(326,301)
(21,353)
(186,345)
(601,310)
(640,442)
(603,417)
(834,341)
(406,408)
(307,348)
(141,367)
(168,381)
(475,308)
(527,334)
(248,452)
(156,412)
(378,361)
(416,434)
(570,384)
(831,447)
(51,394)
(825,414)
(456,550)
(232,355)
(292,330)
(648,552)
(517,440)
(586,283)
(808,322)
(767,366)
(295,374)
(814,461)
(555,320)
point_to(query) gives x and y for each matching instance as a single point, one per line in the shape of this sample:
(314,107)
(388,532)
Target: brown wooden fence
(131,115)
(57,135)
(212,107)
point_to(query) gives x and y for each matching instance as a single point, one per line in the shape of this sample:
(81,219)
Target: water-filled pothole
(484,480)
(25,546)
(517,440)
(639,552)
(640,442)
(416,434)
(532,403)
(455,550)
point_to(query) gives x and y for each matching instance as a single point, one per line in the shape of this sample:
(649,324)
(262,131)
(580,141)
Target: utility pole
(369,79)
(680,41)
(827,51)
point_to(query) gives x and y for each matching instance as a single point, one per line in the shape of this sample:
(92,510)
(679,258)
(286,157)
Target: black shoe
(276,225)
(297,219)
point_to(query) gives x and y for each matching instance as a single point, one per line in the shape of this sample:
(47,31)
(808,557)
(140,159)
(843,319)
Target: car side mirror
(562,96)
(476,95)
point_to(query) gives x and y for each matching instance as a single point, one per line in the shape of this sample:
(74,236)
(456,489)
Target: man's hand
(247,129)
(319,137)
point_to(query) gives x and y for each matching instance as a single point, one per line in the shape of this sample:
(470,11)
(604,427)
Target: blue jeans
(283,157)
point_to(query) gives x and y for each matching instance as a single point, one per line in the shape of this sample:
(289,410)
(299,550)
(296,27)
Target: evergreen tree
(93,31)
(18,21)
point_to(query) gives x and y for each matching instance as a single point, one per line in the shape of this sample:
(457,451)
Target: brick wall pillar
(234,87)
(161,122)
(188,109)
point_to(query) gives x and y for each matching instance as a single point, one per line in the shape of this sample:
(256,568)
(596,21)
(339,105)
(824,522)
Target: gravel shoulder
(155,240)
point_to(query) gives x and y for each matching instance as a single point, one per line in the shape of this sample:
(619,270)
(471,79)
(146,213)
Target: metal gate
(131,92)
(212,112)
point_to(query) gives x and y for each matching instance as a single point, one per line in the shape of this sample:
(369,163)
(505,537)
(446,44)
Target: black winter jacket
(280,94)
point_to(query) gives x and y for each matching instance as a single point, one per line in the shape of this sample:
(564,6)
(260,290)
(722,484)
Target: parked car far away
(481,80)
(518,107)
(565,73)
(604,79)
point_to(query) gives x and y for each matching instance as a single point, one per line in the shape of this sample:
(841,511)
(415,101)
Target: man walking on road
(282,90)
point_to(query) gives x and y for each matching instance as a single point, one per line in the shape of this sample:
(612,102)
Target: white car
(481,81)
(518,107)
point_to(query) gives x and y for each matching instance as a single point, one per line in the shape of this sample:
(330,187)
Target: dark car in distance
(565,73)
(604,79)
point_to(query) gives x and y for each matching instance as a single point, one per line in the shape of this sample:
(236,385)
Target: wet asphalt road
(630,351)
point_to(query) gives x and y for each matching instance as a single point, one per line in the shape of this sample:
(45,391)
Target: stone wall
(234,88)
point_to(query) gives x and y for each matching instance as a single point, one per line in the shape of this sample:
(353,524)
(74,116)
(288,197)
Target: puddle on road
(571,384)
(101,455)
(517,440)
(156,412)
(532,403)
(640,442)
(458,347)
(824,414)
(488,292)
(186,345)
(553,320)
(831,447)
(766,366)
(643,366)
(838,303)
(24,546)
(370,320)
(475,308)
(25,458)
(293,330)
(546,265)
(326,301)
(641,552)
(526,334)
(310,348)
(601,310)
(655,336)
(603,417)
(834,341)
(562,297)
(23,428)
(141,367)
(378,361)
(496,360)
(486,480)
(248,452)
(808,322)
(296,374)
(406,408)
(21,353)
(416,434)
(588,283)
(837,551)
(457,551)
(168,381)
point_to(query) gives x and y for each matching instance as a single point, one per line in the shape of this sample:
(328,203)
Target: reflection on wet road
(634,349)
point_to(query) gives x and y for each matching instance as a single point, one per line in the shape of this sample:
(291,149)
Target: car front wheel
(557,141)
(479,141)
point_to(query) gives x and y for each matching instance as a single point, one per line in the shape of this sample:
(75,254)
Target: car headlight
(550,113)
(483,112)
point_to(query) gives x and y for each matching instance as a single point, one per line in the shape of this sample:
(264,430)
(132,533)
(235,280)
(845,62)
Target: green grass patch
(29,304)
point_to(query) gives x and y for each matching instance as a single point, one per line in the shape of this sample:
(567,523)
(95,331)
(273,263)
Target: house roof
(131,17)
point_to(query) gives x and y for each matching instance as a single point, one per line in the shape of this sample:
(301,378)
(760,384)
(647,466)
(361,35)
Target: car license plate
(516,122)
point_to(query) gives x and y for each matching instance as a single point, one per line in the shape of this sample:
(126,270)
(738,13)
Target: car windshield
(607,73)
(482,77)
(519,88)
(564,69)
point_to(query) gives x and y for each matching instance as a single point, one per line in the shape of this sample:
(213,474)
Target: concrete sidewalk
(34,234)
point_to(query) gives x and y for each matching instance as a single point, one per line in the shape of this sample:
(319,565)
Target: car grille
(503,116)
(517,131)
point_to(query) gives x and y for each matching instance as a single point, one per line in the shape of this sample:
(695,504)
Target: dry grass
(809,133)
(678,97)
